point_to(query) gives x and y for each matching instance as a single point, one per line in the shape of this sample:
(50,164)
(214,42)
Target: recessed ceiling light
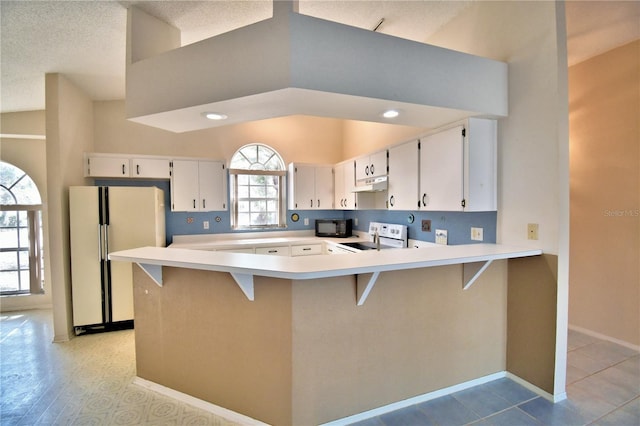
(214,116)
(391,113)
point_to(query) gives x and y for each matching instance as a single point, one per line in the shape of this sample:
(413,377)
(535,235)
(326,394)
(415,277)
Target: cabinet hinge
(464,132)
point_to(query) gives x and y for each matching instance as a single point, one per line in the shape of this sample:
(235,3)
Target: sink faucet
(376,239)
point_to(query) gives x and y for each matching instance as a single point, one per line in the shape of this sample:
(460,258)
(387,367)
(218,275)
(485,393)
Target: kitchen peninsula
(303,350)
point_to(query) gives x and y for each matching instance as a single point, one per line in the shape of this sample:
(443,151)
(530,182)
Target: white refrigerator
(103,220)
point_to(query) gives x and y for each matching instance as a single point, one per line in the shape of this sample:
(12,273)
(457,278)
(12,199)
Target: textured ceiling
(85,40)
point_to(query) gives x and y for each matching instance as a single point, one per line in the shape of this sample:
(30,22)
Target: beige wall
(605,194)
(29,155)
(69,133)
(304,353)
(296,138)
(533,140)
(361,137)
(532,319)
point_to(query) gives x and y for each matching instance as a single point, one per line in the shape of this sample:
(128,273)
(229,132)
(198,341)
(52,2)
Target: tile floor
(87,381)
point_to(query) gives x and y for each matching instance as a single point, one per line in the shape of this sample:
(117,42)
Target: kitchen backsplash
(457,224)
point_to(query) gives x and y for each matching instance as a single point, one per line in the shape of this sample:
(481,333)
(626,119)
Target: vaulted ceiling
(85,40)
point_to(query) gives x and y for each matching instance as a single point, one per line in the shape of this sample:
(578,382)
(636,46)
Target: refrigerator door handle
(106,242)
(99,243)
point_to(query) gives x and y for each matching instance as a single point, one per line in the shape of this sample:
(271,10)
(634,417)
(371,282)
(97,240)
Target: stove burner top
(365,246)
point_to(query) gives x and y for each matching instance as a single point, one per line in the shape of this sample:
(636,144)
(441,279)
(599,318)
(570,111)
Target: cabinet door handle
(306,249)
(318,203)
(366,170)
(204,203)
(123,168)
(311,201)
(392,200)
(137,169)
(424,203)
(194,203)
(273,251)
(371,170)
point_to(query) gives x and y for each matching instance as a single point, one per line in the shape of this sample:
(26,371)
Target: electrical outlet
(306,221)
(441,236)
(205,224)
(426,225)
(476,234)
(532,231)
(355,222)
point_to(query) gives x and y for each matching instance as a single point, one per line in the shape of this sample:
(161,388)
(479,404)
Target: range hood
(371,185)
(294,64)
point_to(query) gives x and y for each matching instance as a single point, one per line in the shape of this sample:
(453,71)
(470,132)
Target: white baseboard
(604,337)
(245,420)
(415,400)
(198,403)
(533,388)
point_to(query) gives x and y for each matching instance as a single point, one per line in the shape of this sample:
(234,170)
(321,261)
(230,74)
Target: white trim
(198,403)
(533,388)
(246,420)
(17,136)
(416,400)
(604,337)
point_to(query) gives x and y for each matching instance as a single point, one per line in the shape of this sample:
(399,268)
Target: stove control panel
(389,233)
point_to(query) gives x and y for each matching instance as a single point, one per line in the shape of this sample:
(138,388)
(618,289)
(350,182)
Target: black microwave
(337,228)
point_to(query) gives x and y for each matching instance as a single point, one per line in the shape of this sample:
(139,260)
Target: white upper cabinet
(126,166)
(372,165)
(151,168)
(198,185)
(458,168)
(344,181)
(310,187)
(402,192)
(100,165)
(212,178)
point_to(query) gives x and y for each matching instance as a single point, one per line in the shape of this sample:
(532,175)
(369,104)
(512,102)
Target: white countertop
(320,266)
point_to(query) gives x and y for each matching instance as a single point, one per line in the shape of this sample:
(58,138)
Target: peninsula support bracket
(245,282)
(364,284)
(471,272)
(154,272)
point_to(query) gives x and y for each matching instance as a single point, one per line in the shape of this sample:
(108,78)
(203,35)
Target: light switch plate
(441,236)
(306,221)
(476,234)
(205,224)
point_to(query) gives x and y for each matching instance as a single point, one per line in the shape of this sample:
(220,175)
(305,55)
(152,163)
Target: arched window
(21,259)
(258,186)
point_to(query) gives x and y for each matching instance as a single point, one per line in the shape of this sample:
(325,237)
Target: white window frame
(256,169)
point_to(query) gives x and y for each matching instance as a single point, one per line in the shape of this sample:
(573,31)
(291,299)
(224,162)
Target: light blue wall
(458,224)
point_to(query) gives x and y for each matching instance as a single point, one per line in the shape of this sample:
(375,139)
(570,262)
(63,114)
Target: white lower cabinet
(306,250)
(274,251)
(239,250)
